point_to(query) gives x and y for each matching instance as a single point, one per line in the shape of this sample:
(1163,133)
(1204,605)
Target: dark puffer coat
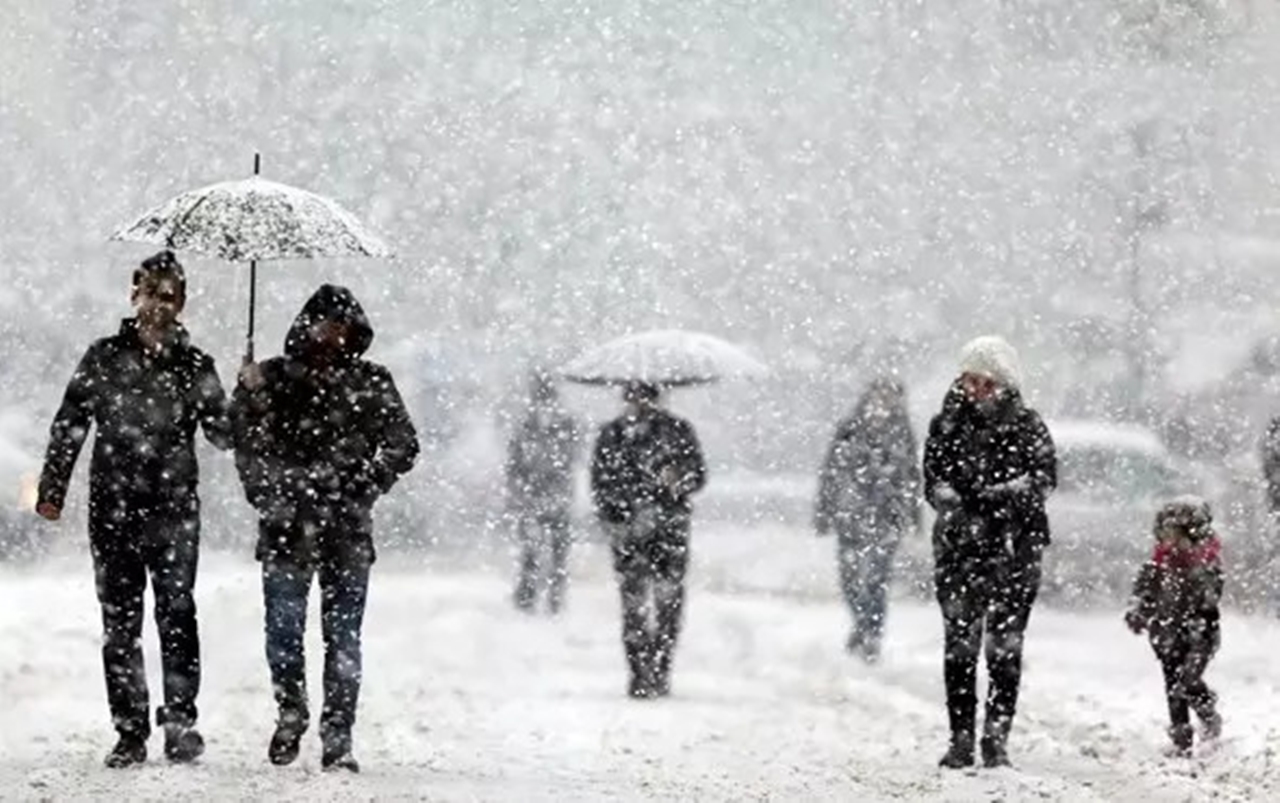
(321,440)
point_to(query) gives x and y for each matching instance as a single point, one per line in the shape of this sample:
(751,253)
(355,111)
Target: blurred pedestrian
(868,496)
(645,469)
(1175,600)
(539,473)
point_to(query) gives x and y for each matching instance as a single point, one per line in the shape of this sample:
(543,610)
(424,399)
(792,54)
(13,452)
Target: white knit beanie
(992,356)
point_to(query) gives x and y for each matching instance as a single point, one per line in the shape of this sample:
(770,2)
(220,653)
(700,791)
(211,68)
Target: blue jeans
(343,592)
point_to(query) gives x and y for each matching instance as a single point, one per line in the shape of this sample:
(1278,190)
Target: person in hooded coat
(868,495)
(147,389)
(539,473)
(321,433)
(989,465)
(646,466)
(1175,600)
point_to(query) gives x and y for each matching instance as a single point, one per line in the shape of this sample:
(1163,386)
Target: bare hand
(251,376)
(48,510)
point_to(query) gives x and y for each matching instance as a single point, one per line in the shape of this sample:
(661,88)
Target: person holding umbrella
(147,389)
(321,433)
(646,467)
(989,465)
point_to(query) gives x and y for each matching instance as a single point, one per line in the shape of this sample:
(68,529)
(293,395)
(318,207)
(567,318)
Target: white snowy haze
(842,189)
(838,187)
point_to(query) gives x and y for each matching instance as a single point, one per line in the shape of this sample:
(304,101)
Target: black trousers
(650,562)
(865,561)
(544,559)
(1183,661)
(343,592)
(133,541)
(987,600)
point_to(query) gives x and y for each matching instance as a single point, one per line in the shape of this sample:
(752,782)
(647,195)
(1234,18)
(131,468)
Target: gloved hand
(1004,492)
(1135,621)
(945,497)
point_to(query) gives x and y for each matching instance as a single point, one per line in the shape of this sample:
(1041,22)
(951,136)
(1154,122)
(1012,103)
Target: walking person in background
(539,474)
(989,465)
(645,469)
(321,434)
(1175,600)
(147,389)
(1271,477)
(869,495)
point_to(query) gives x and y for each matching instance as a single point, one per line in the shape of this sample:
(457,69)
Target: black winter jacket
(317,444)
(988,474)
(540,458)
(632,454)
(871,474)
(147,406)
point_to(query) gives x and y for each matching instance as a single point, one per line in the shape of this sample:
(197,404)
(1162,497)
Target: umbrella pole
(253,294)
(253,280)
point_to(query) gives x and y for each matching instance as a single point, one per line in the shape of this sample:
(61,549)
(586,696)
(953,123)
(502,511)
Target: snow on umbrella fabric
(254,219)
(669,357)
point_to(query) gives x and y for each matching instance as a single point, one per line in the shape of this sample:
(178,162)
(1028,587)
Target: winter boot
(994,753)
(1211,724)
(336,754)
(130,749)
(1182,737)
(960,754)
(182,743)
(640,665)
(640,687)
(285,742)
(1206,710)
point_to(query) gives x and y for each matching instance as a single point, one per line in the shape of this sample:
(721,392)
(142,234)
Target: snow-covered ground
(465,699)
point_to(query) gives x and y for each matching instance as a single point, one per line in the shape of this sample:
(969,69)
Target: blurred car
(1111,480)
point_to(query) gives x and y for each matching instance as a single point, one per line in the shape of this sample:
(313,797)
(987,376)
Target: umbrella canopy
(668,357)
(254,219)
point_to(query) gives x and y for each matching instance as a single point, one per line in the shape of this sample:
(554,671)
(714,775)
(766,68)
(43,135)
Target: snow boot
(994,752)
(182,743)
(960,754)
(286,741)
(1211,724)
(336,754)
(1210,719)
(130,749)
(1182,737)
(640,687)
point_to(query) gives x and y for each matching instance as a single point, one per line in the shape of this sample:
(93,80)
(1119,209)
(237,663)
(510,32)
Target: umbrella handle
(253,297)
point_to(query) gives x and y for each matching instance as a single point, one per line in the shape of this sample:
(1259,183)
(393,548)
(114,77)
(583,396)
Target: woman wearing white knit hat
(989,465)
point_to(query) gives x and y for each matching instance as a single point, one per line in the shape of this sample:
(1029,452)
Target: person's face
(158,302)
(1176,535)
(329,336)
(979,389)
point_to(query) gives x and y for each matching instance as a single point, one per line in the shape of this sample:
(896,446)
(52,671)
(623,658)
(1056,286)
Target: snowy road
(467,700)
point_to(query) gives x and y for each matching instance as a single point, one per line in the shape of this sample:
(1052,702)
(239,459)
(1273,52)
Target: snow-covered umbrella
(254,219)
(665,357)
